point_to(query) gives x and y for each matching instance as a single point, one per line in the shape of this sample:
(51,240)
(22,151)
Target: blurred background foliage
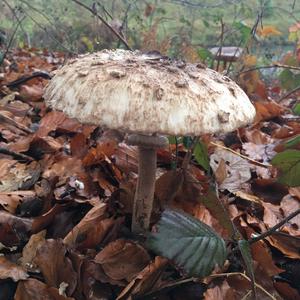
(175,27)
(268,31)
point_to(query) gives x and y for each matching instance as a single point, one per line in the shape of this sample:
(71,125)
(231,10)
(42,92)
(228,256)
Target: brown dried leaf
(11,200)
(146,280)
(31,93)
(18,176)
(55,266)
(11,270)
(13,230)
(92,228)
(237,169)
(122,259)
(33,289)
(29,251)
(220,292)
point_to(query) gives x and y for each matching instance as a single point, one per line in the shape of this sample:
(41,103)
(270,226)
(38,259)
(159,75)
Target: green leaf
(296,109)
(192,244)
(288,162)
(293,142)
(244,247)
(211,201)
(244,30)
(201,155)
(204,53)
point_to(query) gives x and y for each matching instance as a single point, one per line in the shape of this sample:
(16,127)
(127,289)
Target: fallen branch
(16,155)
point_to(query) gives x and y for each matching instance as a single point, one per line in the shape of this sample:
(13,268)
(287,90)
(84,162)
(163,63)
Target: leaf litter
(66,193)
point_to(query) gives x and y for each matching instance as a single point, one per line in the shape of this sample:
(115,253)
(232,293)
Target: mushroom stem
(143,200)
(144,194)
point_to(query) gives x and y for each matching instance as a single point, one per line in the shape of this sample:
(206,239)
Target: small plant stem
(143,200)
(274,228)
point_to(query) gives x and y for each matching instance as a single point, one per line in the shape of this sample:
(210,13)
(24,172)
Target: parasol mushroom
(227,54)
(147,96)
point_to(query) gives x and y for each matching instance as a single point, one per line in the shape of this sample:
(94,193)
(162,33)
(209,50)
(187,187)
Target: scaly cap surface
(148,93)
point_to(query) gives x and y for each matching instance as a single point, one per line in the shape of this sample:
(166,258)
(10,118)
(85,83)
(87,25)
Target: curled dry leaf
(11,200)
(122,260)
(288,205)
(220,292)
(54,120)
(233,170)
(31,93)
(33,289)
(55,266)
(9,270)
(148,279)
(92,228)
(29,251)
(13,230)
(15,175)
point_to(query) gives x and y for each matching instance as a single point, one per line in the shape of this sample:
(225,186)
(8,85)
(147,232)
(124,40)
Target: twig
(243,156)
(275,65)
(48,33)
(104,22)
(296,89)
(46,18)
(11,121)
(246,277)
(16,155)
(194,279)
(188,156)
(274,228)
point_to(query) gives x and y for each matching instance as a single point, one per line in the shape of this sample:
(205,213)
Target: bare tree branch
(104,22)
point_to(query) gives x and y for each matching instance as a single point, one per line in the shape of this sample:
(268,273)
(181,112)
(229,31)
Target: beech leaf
(192,244)
(288,162)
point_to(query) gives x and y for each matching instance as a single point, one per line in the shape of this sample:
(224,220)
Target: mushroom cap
(148,93)
(227,53)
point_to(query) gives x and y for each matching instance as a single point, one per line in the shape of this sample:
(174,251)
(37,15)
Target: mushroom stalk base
(143,200)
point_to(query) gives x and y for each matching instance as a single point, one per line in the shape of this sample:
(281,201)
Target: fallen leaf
(29,250)
(92,228)
(237,169)
(31,93)
(146,280)
(33,289)
(11,270)
(55,266)
(122,260)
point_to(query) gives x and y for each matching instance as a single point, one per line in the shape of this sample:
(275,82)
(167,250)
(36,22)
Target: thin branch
(48,33)
(274,228)
(104,22)
(45,17)
(16,155)
(275,65)
(255,162)
(296,89)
